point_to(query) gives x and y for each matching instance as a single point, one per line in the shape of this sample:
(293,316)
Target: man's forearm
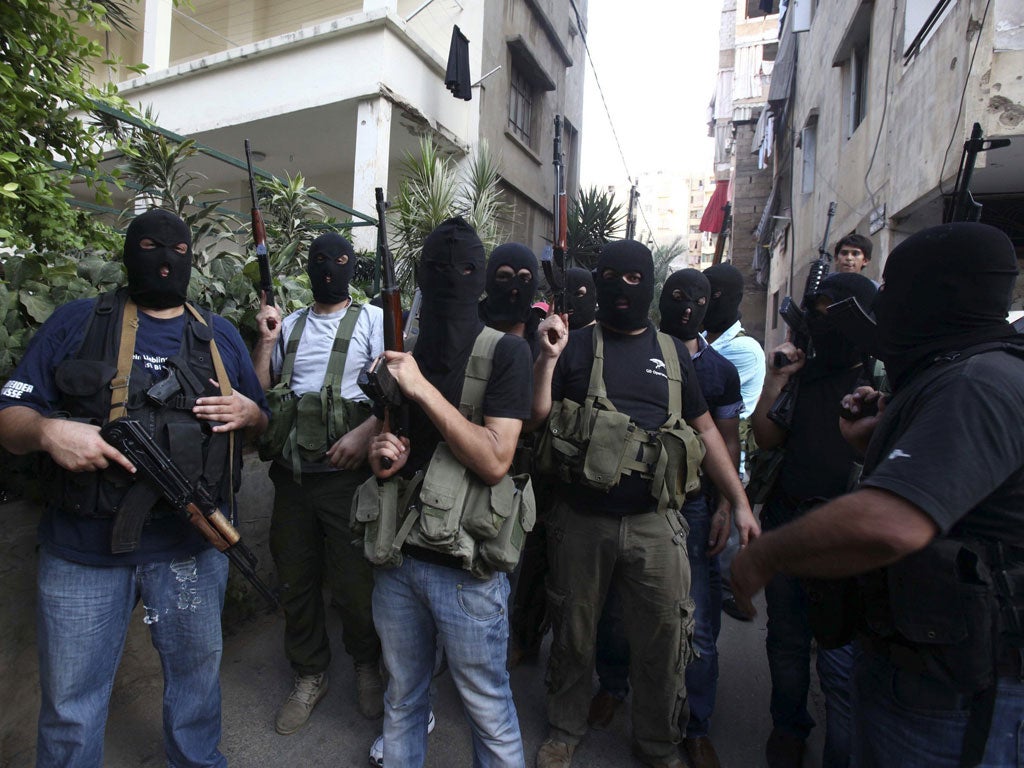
(767,433)
(262,354)
(22,429)
(543,372)
(718,464)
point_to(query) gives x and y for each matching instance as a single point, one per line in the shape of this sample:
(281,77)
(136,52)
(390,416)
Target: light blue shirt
(746,354)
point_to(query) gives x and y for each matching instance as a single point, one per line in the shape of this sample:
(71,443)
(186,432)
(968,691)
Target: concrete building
(342,91)
(870,105)
(748,46)
(701,244)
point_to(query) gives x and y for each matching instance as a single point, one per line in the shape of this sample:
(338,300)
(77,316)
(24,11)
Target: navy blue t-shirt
(33,385)
(636,382)
(719,382)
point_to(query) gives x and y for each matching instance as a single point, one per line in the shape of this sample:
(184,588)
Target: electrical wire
(885,107)
(963,94)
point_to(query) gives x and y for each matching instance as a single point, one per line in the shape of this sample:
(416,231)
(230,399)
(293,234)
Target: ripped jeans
(82,621)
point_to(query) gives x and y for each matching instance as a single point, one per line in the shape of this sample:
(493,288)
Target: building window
(920,19)
(756,9)
(857,88)
(775,310)
(520,106)
(809,145)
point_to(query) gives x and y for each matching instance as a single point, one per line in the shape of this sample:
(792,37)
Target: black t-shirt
(818,461)
(509,395)
(635,379)
(959,455)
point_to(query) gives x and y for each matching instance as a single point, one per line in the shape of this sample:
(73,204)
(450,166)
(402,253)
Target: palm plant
(594,219)
(433,189)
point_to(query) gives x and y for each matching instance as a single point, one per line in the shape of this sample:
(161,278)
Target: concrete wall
(750,191)
(140,667)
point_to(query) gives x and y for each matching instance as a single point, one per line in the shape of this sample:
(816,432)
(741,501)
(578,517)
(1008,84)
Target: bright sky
(656,61)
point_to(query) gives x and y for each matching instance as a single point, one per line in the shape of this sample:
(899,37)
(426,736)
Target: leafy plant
(434,189)
(594,219)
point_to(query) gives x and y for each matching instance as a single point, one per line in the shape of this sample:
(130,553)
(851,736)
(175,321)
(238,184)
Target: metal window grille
(520,106)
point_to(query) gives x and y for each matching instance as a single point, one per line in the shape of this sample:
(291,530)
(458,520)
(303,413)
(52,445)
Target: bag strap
(125,353)
(478,373)
(293,344)
(339,350)
(675,378)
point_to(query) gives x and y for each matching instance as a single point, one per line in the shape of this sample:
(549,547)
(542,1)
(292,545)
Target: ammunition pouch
(283,404)
(595,445)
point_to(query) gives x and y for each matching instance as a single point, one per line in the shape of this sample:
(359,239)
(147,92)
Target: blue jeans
(612,657)
(82,621)
(789,660)
(418,605)
(907,721)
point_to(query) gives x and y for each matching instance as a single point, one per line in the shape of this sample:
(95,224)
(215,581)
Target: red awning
(711,221)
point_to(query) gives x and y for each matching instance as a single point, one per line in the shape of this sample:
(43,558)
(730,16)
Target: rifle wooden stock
(259,233)
(555,274)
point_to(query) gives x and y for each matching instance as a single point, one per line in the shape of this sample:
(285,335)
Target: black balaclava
(945,288)
(723,310)
(832,350)
(684,290)
(329,279)
(581,309)
(146,283)
(621,306)
(451,279)
(509,301)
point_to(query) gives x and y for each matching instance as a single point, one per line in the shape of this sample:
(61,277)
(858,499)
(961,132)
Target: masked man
(617,521)
(83,368)
(320,423)
(936,526)
(510,287)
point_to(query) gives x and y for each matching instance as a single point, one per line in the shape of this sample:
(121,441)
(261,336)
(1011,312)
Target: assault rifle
(259,234)
(961,205)
(554,260)
(795,317)
(192,501)
(375,380)
(723,234)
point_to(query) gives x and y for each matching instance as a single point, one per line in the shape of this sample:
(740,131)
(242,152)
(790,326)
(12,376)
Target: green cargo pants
(312,546)
(645,555)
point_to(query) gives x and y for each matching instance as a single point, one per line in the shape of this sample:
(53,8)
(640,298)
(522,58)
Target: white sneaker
(377,750)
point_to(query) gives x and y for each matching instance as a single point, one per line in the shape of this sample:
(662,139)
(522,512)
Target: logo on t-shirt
(15,389)
(659,368)
(151,362)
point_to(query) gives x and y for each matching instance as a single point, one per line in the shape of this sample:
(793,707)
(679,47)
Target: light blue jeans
(906,720)
(415,607)
(82,621)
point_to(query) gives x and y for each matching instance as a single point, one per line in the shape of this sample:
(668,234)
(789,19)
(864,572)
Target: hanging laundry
(456,78)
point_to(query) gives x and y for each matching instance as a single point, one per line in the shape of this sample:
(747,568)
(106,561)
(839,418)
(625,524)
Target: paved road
(256,678)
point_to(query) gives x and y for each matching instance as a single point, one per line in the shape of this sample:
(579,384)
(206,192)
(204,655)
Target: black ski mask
(451,279)
(683,303)
(726,295)
(832,349)
(330,266)
(620,305)
(158,275)
(945,288)
(580,297)
(509,301)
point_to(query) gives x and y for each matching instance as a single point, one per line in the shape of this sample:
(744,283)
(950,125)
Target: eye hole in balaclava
(510,284)
(726,294)
(330,265)
(625,285)
(158,259)
(580,297)
(683,304)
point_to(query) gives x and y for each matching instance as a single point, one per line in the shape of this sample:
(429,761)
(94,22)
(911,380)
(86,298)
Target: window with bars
(520,106)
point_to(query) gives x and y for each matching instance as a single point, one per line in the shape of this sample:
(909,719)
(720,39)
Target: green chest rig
(304,427)
(595,445)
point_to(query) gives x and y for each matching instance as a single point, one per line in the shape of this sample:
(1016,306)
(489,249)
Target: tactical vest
(953,611)
(303,428)
(595,445)
(102,382)
(447,508)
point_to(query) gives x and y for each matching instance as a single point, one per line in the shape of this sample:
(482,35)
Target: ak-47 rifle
(259,233)
(554,261)
(155,467)
(795,317)
(375,380)
(723,233)
(961,205)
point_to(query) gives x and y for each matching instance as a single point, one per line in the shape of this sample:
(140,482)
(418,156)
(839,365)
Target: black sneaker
(730,607)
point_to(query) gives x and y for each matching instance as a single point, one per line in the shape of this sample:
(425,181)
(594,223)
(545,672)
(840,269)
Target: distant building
(870,105)
(748,47)
(342,91)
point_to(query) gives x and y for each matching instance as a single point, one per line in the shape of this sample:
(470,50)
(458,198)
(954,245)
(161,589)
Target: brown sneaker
(294,713)
(602,709)
(555,754)
(784,750)
(701,752)
(369,690)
